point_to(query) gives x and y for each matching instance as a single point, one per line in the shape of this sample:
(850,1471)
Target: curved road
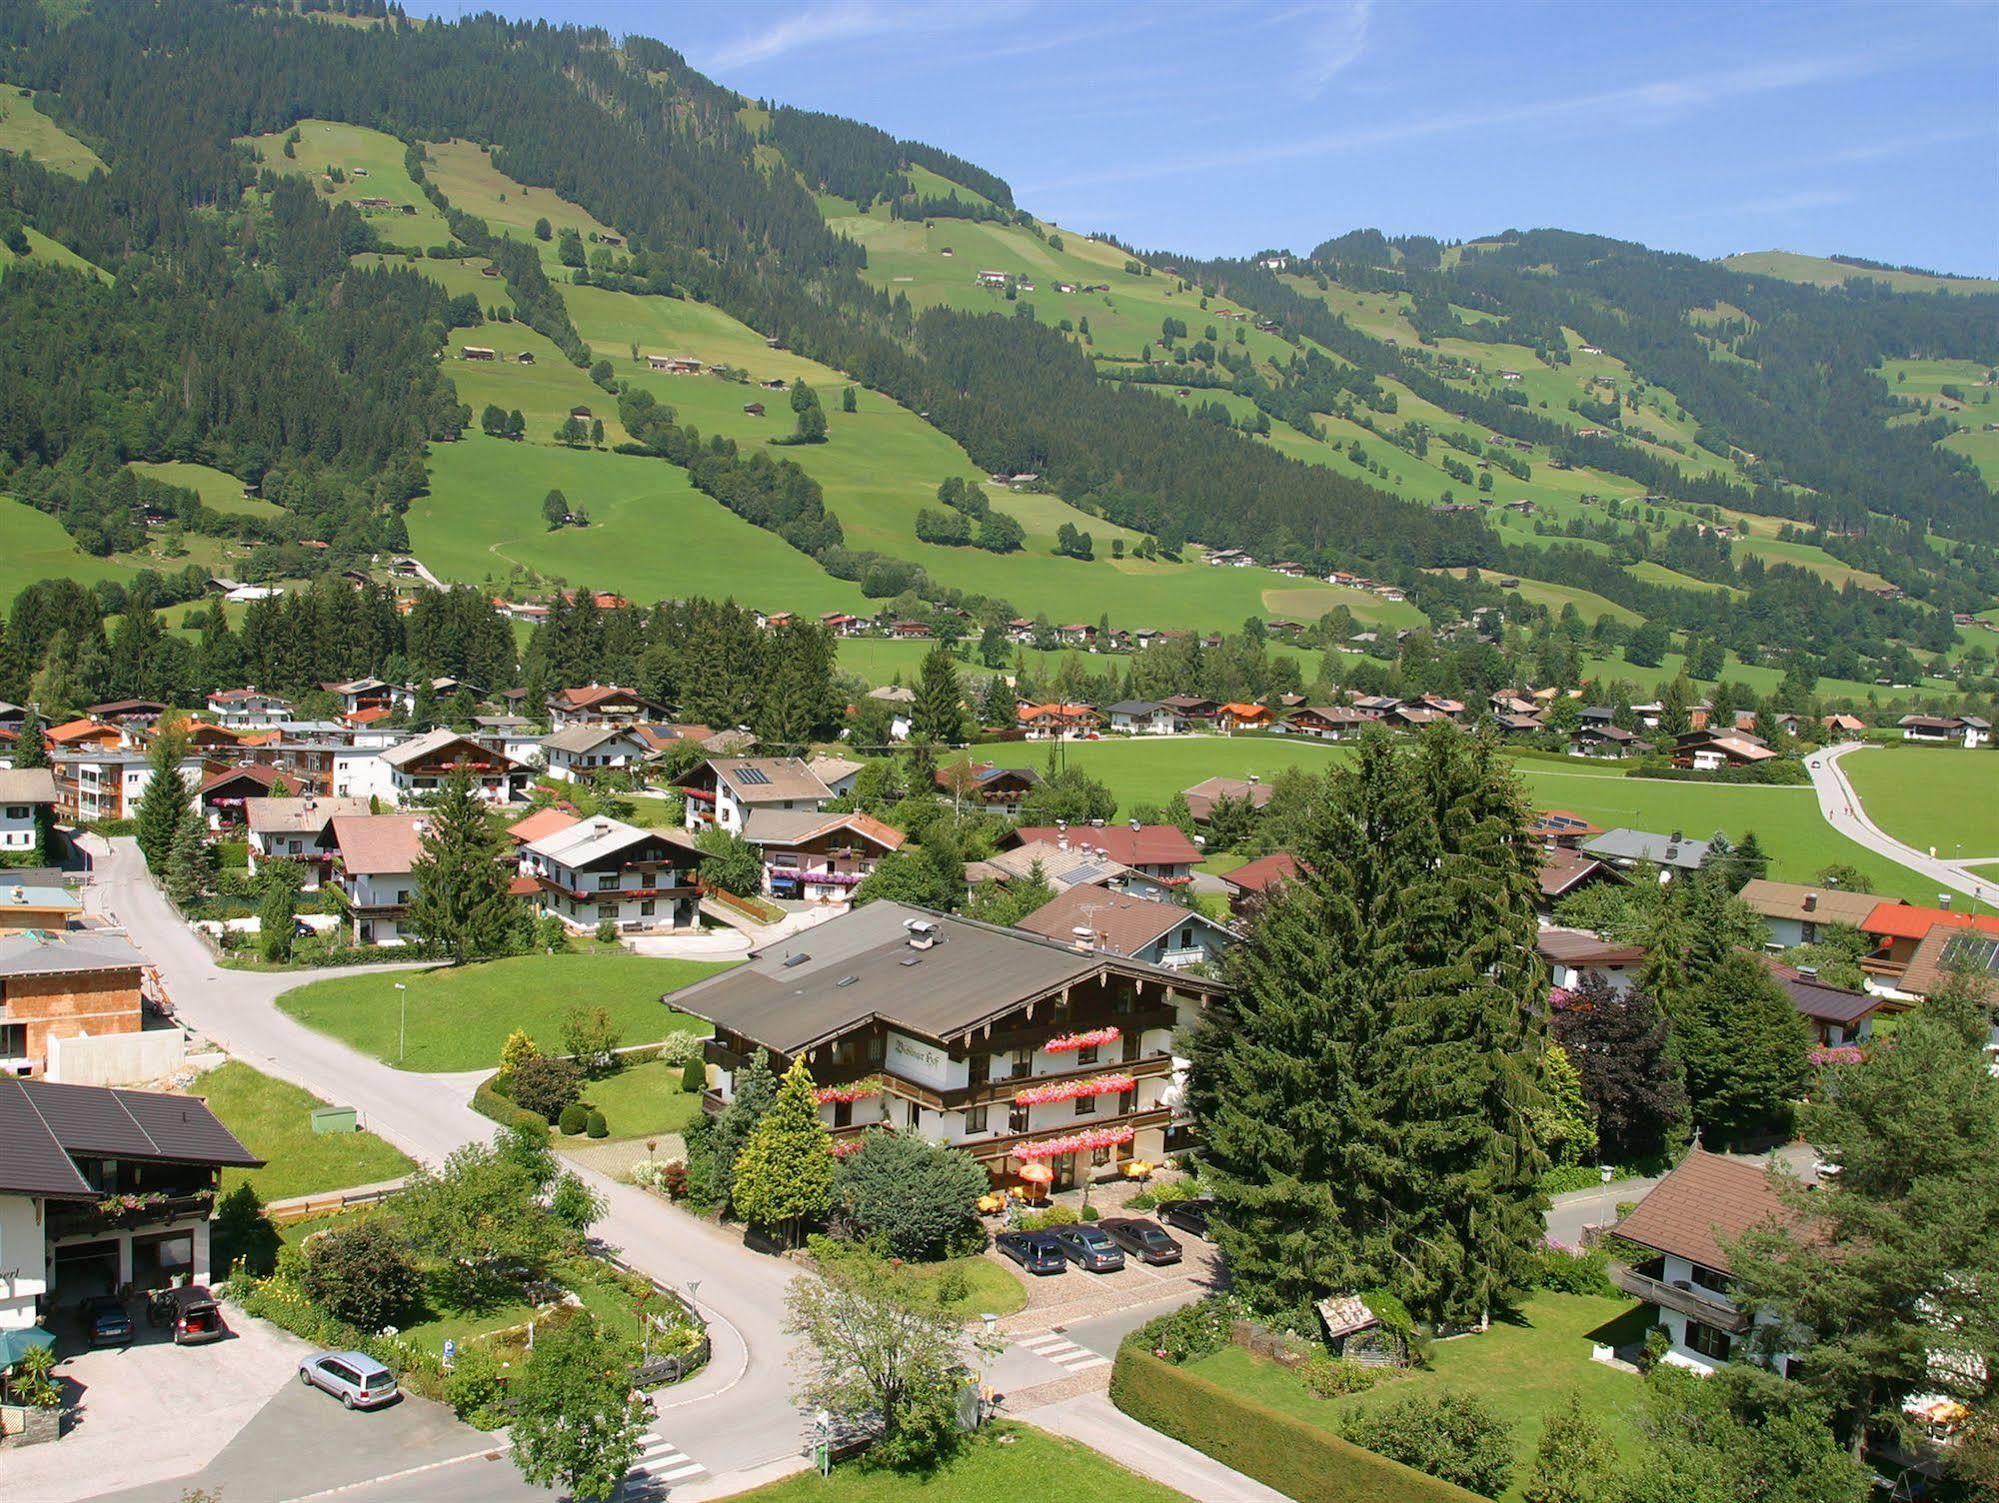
(1841,806)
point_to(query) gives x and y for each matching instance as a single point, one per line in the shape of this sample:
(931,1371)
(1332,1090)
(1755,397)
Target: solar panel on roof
(1083,874)
(754,776)
(1972,950)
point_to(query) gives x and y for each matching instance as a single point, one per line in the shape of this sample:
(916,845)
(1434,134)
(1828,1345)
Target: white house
(576,751)
(1796,914)
(901,703)
(1143,717)
(296,829)
(599,869)
(248,709)
(1121,923)
(27,800)
(1706,1201)
(1973,731)
(1573,955)
(725,790)
(423,764)
(373,858)
(70,1149)
(359,772)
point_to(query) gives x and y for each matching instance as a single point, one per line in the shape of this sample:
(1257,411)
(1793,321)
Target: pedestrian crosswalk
(1054,1347)
(661,1464)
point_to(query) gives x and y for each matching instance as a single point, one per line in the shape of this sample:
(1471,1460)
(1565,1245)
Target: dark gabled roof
(795,995)
(43,1123)
(1821,1001)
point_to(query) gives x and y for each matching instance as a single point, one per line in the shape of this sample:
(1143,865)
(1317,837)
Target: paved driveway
(152,1410)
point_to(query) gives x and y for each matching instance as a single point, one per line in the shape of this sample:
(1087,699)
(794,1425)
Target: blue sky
(1230,126)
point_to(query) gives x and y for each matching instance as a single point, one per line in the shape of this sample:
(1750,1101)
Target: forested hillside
(547,307)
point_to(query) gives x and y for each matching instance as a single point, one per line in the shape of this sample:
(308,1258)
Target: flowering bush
(854,1090)
(1076,1142)
(1094,1038)
(842,1148)
(1190,1332)
(1070,1090)
(666,1177)
(1842,1054)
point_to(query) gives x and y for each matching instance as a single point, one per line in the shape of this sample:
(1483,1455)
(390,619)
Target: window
(1707,1278)
(647,908)
(1706,1340)
(607,881)
(978,1067)
(1187,937)
(1086,1106)
(607,910)
(915,1115)
(1016,1119)
(403,896)
(1023,1061)
(1087,1056)
(975,1119)
(17,811)
(1100,1156)
(13,1040)
(1133,1043)
(876,1045)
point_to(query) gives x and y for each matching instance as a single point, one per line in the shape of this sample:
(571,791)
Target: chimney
(1809,972)
(1254,779)
(1136,826)
(1061,824)
(922,933)
(1096,824)
(1811,902)
(600,827)
(1083,937)
(1676,837)
(1943,900)
(1061,842)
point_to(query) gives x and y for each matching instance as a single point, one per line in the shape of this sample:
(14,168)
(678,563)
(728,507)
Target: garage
(82,1269)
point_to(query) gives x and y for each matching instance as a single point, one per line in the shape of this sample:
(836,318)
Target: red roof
(1263,873)
(540,823)
(1148,845)
(523,887)
(592,694)
(367,717)
(1907,921)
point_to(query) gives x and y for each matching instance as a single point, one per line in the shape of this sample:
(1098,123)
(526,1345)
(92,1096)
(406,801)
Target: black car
(105,1321)
(1089,1247)
(1037,1252)
(1145,1240)
(1190,1215)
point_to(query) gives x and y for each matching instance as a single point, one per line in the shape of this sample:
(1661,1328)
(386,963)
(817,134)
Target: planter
(29,1425)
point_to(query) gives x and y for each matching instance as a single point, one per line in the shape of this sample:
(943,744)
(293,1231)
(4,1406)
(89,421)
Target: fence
(330,1203)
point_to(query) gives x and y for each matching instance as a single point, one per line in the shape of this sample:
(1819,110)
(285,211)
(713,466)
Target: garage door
(87,1268)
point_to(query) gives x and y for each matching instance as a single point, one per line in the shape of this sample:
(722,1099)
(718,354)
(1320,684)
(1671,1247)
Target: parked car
(1090,1248)
(1196,1216)
(105,1321)
(190,1312)
(1037,1252)
(354,1378)
(1145,1240)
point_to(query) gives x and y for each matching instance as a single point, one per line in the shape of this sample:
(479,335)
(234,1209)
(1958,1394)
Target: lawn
(371,165)
(1523,1368)
(991,1288)
(26,130)
(447,1321)
(1007,1461)
(273,1119)
(38,548)
(1931,796)
(219,490)
(644,1100)
(460,1016)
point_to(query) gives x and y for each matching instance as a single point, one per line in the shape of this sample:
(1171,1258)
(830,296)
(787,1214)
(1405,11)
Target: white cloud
(854,18)
(1336,42)
(1659,97)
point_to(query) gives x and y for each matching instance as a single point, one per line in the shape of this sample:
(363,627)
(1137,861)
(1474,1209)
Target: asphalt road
(1844,811)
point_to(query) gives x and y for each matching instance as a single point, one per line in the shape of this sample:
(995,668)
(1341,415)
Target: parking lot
(1073,1295)
(151,1410)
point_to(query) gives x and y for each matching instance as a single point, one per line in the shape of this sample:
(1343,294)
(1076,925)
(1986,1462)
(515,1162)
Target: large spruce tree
(164,803)
(939,712)
(1365,1094)
(461,906)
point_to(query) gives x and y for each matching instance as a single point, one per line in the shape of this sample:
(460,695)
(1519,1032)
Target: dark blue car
(105,1321)
(1037,1252)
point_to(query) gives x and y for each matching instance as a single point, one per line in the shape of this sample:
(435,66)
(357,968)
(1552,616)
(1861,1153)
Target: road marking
(661,1460)
(1053,1346)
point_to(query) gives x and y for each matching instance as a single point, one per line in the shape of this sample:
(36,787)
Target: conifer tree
(755,1090)
(461,906)
(32,750)
(939,712)
(1365,1094)
(190,862)
(1575,1461)
(164,803)
(1745,1049)
(277,918)
(785,1173)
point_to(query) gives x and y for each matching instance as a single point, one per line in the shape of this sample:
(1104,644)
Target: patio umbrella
(16,1344)
(1037,1173)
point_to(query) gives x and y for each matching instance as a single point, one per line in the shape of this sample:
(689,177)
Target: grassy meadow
(24,129)
(1817,271)
(371,162)
(273,1119)
(1932,797)
(219,490)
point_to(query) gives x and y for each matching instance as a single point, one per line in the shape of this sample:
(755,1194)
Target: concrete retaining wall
(117,1058)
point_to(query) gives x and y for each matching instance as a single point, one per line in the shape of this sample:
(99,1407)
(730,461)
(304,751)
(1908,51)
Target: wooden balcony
(1704,1305)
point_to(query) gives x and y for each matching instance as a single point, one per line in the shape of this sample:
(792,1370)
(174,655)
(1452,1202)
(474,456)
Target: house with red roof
(1158,851)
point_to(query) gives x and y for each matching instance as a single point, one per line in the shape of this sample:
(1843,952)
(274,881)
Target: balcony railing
(119,1212)
(1704,1305)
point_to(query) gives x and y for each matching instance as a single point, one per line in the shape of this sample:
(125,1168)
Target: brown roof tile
(1706,1199)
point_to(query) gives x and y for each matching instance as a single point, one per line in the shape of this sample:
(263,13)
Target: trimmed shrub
(694,1076)
(596,1126)
(1585,1272)
(1091,1213)
(362,1275)
(1040,1221)
(492,1099)
(1327,1377)
(679,1047)
(546,1084)
(575,1117)
(1446,1433)
(1191,1332)
(1297,1458)
(909,1198)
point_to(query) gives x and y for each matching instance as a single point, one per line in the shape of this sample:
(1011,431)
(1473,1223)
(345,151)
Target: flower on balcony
(119,1205)
(852,1091)
(842,1148)
(1840,1054)
(1087,1141)
(1093,1038)
(1071,1090)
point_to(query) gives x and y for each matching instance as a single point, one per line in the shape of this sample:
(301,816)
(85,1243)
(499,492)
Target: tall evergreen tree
(785,1173)
(939,712)
(164,803)
(32,750)
(461,906)
(755,1090)
(1365,1093)
(1745,1049)
(190,861)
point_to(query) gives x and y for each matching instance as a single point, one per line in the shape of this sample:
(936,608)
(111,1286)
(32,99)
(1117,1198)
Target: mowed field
(1816,271)
(465,174)
(25,129)
(218,489)
(372,165)
(38,548)
(1932,797)
(1786,820)
(42,248)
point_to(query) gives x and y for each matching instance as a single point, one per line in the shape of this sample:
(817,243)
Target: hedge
(1300,1460)
(487,1101)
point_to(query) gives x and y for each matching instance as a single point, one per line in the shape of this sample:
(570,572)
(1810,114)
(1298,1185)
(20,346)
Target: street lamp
(403,1022)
